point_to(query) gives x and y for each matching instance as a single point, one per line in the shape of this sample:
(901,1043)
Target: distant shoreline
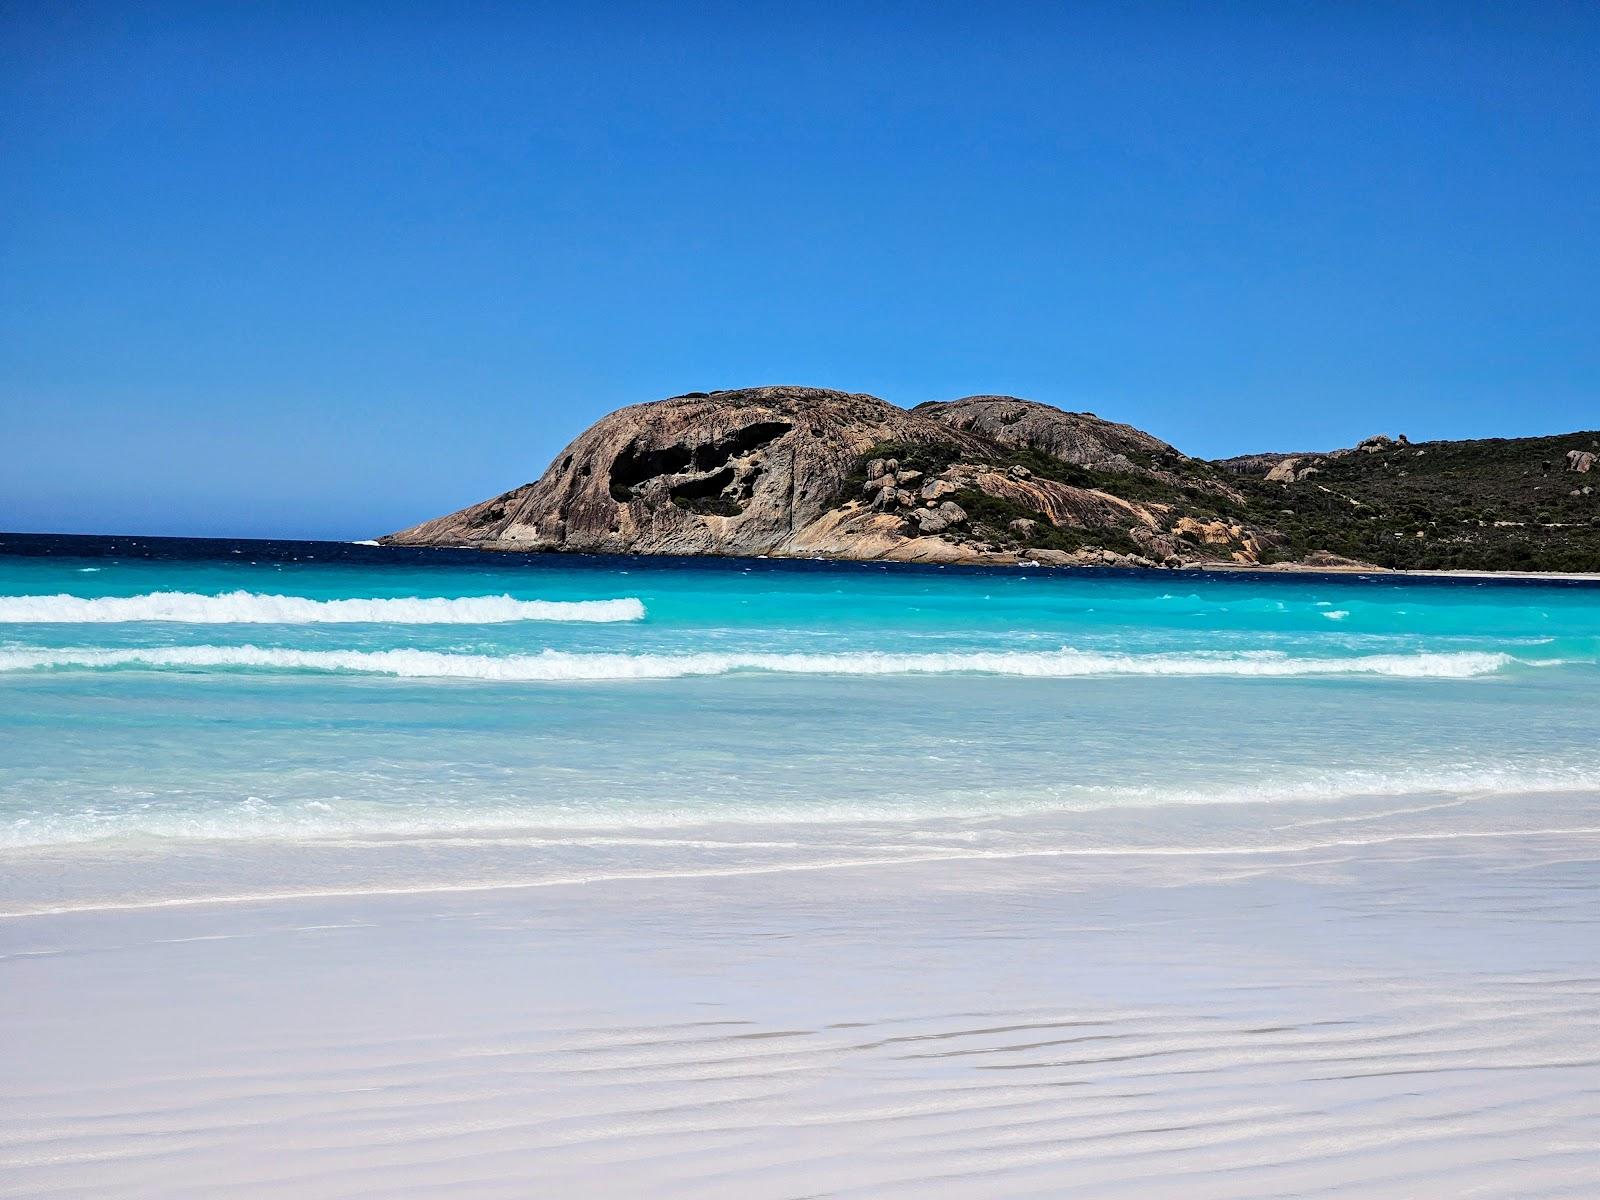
(1201,567)
(1303,569)
(1231,568)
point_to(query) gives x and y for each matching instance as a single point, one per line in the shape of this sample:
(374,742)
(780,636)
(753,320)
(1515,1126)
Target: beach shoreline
(1341,1023)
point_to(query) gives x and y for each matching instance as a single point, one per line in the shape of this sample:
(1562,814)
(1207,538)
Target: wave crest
(559,666)
(255,608)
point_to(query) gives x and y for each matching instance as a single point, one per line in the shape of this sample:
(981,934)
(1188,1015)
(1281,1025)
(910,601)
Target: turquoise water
(162,702)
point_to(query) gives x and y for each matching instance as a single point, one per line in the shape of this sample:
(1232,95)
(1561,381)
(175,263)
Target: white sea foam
(895,823)
(254,608)
(558,666)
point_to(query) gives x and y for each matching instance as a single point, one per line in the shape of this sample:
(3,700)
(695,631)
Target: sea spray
(553,666)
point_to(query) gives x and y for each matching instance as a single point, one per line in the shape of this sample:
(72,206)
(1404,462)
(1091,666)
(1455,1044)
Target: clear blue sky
(328,269)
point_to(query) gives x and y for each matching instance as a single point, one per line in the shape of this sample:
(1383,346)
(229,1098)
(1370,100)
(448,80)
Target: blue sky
(325,270)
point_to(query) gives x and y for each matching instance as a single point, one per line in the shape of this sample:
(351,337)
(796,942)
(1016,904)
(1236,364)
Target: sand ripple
(909,1034)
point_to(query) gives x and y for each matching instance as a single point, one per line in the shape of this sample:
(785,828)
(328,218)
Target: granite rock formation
(807,472)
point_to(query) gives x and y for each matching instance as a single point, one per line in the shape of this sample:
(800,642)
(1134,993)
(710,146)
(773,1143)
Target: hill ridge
(788,471)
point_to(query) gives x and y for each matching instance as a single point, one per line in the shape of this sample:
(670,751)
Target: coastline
(1221,567)
(1553,576)
(1007,559)
(1304,569)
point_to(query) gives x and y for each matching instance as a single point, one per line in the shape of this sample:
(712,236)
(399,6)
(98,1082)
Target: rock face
(1081,439)
(746,472)
(787,471)
(1291,470)
(1284,471)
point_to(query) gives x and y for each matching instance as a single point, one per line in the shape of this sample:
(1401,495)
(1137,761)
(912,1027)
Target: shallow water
(414,718)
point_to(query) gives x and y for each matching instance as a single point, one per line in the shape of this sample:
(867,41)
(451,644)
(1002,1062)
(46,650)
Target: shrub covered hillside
(1499,504)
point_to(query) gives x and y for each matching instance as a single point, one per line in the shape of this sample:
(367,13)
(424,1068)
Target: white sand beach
(1411,1014)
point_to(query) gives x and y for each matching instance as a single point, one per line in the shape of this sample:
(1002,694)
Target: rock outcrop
(805,472)
(1081,439)
(756,471)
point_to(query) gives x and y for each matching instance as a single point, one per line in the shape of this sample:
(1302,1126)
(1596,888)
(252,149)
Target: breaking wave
(254,608)
(558,666)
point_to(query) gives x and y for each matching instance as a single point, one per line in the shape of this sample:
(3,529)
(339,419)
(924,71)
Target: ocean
(167,697)
(757,878)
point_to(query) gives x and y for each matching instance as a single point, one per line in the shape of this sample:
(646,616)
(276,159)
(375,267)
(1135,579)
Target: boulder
(1284,471)
(937,520)
(1209,533)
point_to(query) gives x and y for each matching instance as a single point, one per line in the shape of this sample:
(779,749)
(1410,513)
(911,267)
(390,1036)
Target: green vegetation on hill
(1497,504)
(928,457)
(1492,505)
(992,518)
(1192,486)
(1187,488)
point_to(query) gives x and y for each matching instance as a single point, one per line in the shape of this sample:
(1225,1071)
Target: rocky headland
(807,472)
